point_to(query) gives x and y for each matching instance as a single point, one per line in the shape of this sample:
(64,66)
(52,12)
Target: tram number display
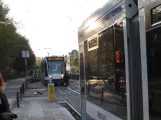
(55,58)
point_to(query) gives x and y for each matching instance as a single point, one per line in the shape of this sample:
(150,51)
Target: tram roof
(97,14)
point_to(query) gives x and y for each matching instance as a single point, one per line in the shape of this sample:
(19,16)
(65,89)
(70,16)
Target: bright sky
(46,23)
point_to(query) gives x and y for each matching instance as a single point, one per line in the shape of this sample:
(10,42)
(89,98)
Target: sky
(51,25)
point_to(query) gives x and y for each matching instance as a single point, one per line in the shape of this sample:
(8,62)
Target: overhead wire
(82,6)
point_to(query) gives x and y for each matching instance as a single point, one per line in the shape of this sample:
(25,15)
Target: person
(5,113)
(66,78)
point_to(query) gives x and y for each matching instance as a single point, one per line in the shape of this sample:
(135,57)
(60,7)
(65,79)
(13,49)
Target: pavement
(12,86)
(38,107)
(33,107)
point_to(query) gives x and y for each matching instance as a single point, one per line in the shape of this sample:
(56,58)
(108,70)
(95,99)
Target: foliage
(75,64)
(38,61)
(11,45)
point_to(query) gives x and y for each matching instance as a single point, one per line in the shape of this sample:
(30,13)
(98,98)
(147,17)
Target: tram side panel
(105,68)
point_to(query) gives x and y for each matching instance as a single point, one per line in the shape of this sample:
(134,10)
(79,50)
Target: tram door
(82,84)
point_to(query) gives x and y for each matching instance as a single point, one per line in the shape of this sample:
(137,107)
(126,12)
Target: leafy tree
(75,64)
(38,61)
(11,45)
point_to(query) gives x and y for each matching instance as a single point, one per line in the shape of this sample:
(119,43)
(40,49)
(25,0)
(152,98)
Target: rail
(69,107)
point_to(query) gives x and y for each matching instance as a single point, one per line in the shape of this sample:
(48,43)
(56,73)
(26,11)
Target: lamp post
(48,50)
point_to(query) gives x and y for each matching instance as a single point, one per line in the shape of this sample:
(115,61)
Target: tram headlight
(62,75)
(50,77)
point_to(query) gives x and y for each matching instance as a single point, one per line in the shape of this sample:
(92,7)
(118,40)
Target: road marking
(73,91)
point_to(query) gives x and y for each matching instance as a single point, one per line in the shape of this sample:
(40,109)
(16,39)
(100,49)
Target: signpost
(25,54)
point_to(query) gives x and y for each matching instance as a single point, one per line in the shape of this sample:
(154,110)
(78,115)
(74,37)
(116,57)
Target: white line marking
(73,91)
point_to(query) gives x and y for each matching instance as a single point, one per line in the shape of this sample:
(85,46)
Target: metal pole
(26,68)
(17,97)
(20,93)
(133,58)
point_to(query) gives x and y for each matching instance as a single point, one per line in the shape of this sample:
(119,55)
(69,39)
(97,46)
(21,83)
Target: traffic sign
(25,53)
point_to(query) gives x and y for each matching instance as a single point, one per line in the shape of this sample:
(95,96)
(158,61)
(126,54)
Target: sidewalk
(37,107)
(12,86)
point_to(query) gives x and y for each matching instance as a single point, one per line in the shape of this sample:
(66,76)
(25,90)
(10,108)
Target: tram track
(68,105)
(73,90)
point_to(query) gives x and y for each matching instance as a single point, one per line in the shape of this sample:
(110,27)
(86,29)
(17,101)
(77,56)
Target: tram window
(93,63)
(153,40)
(106,53)
(46,74)
(156,14)
(92,43)
(153,53)
(105,76)
(81,67)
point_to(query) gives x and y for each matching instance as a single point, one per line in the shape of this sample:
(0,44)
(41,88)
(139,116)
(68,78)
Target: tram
(103,61)
(53,67)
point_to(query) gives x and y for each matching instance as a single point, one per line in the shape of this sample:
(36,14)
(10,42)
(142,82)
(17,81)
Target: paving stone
(39,108)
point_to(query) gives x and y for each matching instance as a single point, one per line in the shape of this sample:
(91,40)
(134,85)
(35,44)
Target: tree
(11,45)
(38,61)
(75,64)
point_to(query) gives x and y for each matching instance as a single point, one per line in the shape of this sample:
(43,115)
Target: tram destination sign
(55,58)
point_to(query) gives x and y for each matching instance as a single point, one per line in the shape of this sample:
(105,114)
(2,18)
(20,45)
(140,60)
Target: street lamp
(49,49)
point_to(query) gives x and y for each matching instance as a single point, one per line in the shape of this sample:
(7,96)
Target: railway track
(75,113)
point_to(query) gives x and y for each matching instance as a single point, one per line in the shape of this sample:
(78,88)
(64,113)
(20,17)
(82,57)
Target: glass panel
(156,14)
(55,67)
(105,77)
(92,43)
(154,72)
(46,73)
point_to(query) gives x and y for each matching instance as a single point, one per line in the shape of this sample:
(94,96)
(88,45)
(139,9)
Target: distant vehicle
(53,68)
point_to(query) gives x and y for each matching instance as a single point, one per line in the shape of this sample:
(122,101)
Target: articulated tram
(103,56)
(53,67)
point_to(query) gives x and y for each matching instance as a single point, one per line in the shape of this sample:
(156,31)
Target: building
(69,58)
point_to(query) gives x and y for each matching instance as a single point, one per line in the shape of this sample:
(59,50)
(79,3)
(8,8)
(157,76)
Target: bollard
(26,85)
(23,88)
(102,92)
(17,97)
(51,91)
(20,93)
(88,87)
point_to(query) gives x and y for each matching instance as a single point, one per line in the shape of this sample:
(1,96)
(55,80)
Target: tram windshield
(55,67)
